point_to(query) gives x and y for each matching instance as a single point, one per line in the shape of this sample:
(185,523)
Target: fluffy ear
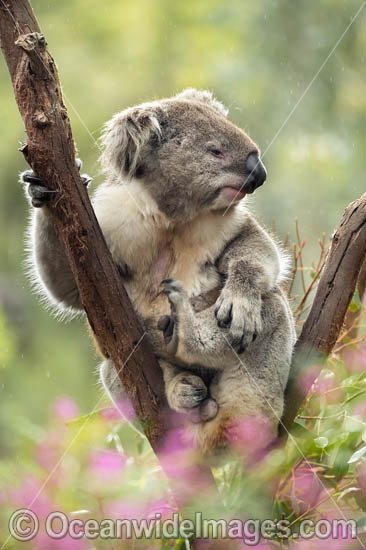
(203,96)
(124,137)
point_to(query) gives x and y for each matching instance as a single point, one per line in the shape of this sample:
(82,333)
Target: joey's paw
(39,194)
(168,324)
(241,315)
(206,410)
(186,392)
(174,291)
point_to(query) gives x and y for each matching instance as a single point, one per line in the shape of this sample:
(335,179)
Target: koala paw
(241,315)
(40,195)
(187,394)
(168,324)
(174,291)
(207,410)
(38,191)
(186,391)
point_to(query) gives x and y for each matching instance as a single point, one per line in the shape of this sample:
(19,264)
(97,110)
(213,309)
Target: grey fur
(226,331)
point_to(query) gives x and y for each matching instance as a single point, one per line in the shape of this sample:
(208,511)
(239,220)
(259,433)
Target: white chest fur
(154,248)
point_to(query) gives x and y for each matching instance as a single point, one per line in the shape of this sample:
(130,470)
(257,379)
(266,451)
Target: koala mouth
(233,194)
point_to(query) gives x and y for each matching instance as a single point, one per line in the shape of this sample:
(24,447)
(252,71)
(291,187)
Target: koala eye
(216,153)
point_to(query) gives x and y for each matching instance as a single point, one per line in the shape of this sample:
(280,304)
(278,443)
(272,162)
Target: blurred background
(258,58)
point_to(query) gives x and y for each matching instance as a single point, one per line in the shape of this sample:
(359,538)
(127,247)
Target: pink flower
(178,459)
(360,410)
(355,358)
(326,544)
(306,490)
(49,451)
(30,495)
(125,410)
(44,542)
(250,435)
(123,509)
(107,463)
(65,408)
(161,507)
(110,413)
(324,382)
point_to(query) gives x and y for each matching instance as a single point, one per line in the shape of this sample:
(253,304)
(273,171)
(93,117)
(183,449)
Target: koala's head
(185,151)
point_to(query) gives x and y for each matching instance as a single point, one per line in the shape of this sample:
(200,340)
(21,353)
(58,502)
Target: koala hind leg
(187,393)
(111,382)
(250,389)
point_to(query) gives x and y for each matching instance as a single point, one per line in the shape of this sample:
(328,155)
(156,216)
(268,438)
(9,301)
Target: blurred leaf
(355,303)
(357,455)
(345,451)
(299,430)
(348,491)
(321,442)
(361,523)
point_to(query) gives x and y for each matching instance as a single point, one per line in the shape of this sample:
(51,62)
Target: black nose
(256,173)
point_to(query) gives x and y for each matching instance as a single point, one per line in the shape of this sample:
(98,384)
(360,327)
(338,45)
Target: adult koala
(173,215)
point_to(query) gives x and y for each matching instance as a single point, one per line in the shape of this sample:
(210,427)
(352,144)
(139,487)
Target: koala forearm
(50,264)
(252,261)
(201,341)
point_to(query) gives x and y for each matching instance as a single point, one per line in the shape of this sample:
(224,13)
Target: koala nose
(256,173)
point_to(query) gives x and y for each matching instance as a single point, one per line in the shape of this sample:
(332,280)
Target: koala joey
(203,276)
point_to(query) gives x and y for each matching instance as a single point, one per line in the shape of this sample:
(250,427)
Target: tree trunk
(50,151)
(352,317)
(324,322)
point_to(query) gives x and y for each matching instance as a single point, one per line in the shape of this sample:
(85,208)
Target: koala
(203,276)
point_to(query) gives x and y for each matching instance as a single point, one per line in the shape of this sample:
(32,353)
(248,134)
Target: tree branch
(324,322)
(50,151)
(352,317)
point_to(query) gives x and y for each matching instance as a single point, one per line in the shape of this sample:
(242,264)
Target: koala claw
(186,392)
(38,192)
(174,291)
(242,316)
(223,311)
(206,411)
(167,324)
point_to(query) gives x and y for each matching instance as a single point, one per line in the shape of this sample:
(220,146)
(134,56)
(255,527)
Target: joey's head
(186,153)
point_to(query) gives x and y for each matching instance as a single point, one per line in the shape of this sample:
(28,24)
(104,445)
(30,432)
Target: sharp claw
(30,177)
(86,179)
(163,322)
(166,281)
(225,323)
(168,332)
(37,203)
(45,191)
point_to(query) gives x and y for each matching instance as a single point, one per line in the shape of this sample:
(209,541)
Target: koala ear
(203,96)
(124,137)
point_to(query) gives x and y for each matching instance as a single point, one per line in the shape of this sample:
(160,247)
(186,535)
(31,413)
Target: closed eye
(216,153)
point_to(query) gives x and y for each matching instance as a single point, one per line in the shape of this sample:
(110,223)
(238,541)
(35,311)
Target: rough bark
(50,151)
(334,293)
(352,317)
